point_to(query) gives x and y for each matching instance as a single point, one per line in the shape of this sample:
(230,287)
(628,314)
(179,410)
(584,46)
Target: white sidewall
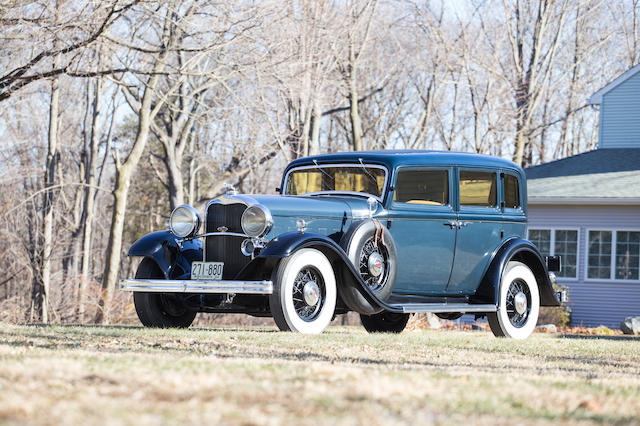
(517,270)
(299,260)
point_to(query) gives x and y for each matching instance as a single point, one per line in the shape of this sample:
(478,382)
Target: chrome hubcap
(376,264)
(311,293)
(520,302)
(308,293)
(372,264)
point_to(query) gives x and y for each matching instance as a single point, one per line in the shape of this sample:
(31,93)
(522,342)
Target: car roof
(394,158)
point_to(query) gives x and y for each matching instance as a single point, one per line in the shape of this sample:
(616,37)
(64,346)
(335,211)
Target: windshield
(366,179)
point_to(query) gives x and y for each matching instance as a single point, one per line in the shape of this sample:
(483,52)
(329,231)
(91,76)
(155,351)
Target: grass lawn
(129,375)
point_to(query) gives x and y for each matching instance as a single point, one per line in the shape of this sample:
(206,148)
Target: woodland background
(113,112)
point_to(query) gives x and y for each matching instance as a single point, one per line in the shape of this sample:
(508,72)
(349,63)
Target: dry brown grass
(130,375)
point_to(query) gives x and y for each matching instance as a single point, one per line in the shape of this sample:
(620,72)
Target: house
(586,208)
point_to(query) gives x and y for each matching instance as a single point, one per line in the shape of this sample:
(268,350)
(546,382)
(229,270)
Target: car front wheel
(161,310)
(518,304)
(304,294)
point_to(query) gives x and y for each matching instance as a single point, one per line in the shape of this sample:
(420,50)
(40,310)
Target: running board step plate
(411,308)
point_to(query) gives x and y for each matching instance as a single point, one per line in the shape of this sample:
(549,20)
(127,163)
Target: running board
(412,308)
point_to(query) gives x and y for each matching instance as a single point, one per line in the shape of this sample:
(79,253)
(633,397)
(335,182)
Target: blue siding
(620,115)
(593,303)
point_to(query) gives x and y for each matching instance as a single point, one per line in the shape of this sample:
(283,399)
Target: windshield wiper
(323,172)
(373,179)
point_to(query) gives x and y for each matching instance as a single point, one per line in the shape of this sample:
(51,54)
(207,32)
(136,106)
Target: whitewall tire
(304,292)
(518,304)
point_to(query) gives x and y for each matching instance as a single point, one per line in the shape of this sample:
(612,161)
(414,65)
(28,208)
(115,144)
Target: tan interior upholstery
(430,203)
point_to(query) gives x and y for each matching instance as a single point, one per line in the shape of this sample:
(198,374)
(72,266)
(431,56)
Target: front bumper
(197,286)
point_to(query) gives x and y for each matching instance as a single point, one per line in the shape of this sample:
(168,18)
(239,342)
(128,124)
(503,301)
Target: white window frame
(552,246)
(614,241)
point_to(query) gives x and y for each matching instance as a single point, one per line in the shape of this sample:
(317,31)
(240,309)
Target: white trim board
(584,200)
(596,98)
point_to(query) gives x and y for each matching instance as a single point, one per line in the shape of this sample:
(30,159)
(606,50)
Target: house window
(542,239)
(566,245)
(627,255)
(599,254)
(614,255)
(558,242)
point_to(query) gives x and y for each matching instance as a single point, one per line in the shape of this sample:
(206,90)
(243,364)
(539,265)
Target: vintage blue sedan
(382,233)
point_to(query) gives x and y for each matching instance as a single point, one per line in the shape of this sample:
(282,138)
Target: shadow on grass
(253,329)
(596,337)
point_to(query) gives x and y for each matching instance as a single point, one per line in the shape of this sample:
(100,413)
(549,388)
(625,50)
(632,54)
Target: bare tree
(80,29)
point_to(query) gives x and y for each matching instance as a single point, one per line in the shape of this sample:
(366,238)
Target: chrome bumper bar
(197,286)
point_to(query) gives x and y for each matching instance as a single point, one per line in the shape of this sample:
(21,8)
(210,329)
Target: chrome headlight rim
(265,225)
(193,221)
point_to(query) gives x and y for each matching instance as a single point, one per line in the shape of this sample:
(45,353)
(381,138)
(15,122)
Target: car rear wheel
(385,322)
(518,304)
(160,310)
(304,294)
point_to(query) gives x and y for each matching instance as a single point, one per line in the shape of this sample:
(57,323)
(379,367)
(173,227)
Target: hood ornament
(229,189)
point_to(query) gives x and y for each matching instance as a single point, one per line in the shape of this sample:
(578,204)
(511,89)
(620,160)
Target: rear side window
(429,187)
(477,189)
(511,192)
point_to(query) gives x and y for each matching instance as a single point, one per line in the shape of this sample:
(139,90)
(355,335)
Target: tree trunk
(123,180)
(90,195)
(354,116)
(314,139)
(174,174)
(49,180)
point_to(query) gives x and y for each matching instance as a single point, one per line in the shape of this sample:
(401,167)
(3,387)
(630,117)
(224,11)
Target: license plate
(206,270)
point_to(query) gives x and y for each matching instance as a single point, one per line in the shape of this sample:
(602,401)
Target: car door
(423,227)
(479,227)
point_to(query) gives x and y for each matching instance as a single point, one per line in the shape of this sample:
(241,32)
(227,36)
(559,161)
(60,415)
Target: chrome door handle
(451,224)
(463,224)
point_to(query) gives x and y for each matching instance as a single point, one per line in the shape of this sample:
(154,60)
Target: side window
(478,189)
(511,192)
(430,187)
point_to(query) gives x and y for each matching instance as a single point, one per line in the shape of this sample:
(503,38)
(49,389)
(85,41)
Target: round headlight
(256,221)
(184,221)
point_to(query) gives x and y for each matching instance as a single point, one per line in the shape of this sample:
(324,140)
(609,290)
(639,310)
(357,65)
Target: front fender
(517,249)
(173,258)
(286,244)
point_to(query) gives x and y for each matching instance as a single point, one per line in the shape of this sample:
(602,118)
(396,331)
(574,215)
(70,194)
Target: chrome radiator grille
(225,248)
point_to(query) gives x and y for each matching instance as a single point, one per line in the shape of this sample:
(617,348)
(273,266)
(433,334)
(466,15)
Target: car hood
(321,206)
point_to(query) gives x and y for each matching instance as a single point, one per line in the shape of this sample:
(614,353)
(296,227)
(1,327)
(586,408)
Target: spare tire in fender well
(351,242)
(285,244)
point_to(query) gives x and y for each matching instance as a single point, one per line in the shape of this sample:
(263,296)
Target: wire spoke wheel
(518,303)
(304,292)
(308,293)
(373,264)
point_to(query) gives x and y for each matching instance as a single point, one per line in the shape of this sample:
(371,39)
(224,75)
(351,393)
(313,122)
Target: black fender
(521,250)
(286,244)
(172,256)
